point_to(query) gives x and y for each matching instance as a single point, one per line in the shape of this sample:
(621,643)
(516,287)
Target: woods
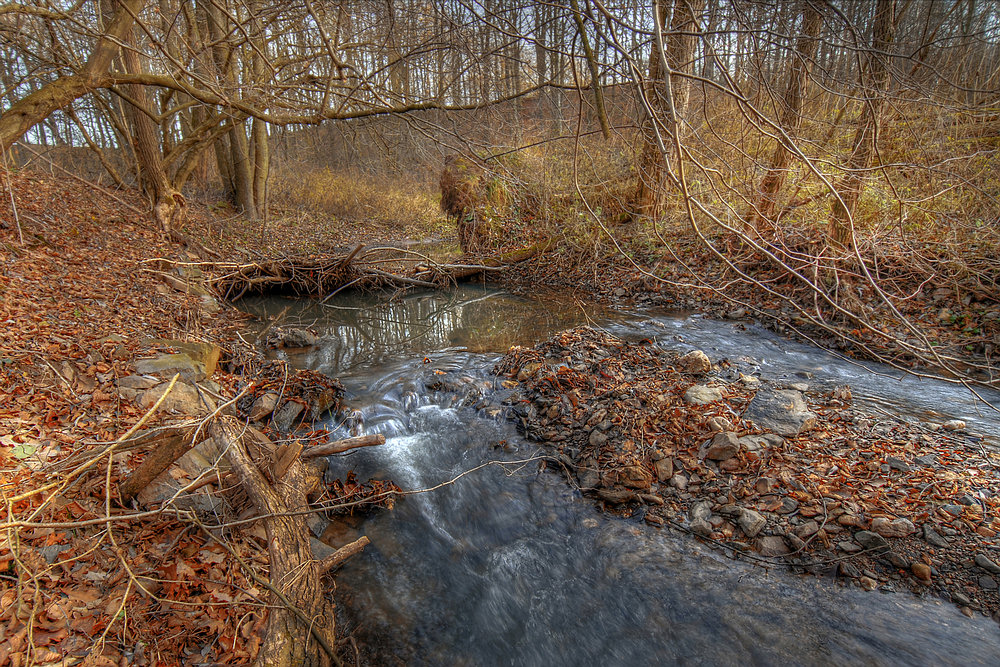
(828,169)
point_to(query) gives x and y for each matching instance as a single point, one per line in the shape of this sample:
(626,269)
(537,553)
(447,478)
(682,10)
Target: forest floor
(82,299)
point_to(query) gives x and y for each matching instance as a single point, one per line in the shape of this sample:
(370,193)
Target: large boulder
(782,411)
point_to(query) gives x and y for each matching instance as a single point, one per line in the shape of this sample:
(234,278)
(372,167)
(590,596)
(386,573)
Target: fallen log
(345,445)
(299,611)
(457,272)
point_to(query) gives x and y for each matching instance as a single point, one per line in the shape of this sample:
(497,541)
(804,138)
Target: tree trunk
(791,115)
(37,106)
(681,42)
(875,79)
(168,204)
(239,157)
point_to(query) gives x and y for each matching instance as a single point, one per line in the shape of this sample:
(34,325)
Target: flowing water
(507,565)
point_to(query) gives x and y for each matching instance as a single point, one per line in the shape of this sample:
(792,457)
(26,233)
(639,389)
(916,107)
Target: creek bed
(509,565)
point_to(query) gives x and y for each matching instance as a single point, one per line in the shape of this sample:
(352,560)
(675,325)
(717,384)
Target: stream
(508,565)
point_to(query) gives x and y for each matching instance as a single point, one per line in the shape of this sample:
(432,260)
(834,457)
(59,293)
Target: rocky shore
(777,474)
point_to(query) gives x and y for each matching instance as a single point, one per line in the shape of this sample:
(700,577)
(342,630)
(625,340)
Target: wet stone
(783,411)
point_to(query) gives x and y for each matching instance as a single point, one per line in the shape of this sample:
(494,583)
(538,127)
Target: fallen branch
(344,445)
(338,557)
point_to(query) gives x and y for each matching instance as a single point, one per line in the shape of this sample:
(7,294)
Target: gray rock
(848,570)
(986,564)
(987,583)
(723,446)
(849,547)
(754,443)
(51,552)
(808,529)
(679,482)
(292,337)
(700,527)
(897,561)
(695,362)
(597,438)
(751,523)
(898,464)
(166,365)
(783,411)
(771,546)
(320,550)
(872,541)
(894,528)
(934,538)
(700,394)
(285,418)
(182,399)
(702,510)
(794,541)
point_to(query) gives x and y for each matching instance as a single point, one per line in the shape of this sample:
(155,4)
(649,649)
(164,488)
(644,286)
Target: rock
(807,530)
(783,411)
(285,418)
(749,381)
(320,550)
(597,438)
(868,583)
(137,382)
(849,547)
(751,523)
(664,469)
(897,561)
(636,477)
(871,541)
(794,541)
(695,362)
(753,443)
(723,446)
(702,510)
(771,546)
(987,583)
(616,496)
(921,571)
(700,527)
(851,520)
(987,564)
(204,353)
(291,337)
(716,424)
(700,394)
(263,406)
(848,570)
(209,304)
(679,482)
(166,365)
(898,464)
(799,386)
(52,551)
(730,465)
(894,528)
(183,399)
(953,425)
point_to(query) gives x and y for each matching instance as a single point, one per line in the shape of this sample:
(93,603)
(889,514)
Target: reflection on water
(364,330)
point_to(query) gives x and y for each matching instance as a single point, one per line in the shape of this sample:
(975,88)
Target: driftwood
(300,626)
(344,445)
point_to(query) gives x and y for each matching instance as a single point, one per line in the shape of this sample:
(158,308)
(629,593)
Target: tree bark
(875,80)
(791,115)
(300,626)
(37,106)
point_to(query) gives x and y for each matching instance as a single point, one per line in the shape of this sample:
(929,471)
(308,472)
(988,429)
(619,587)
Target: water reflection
(363,330)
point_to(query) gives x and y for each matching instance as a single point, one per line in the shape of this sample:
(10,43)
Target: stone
(285,417)
(771,546)
(897,561)
(636,477)
(848,570)
(794,541)
(716,424)
(730,465)
(167,365)
(987,564)
(664,469)
(700,527)
(723,446)
(209,304)
(616,496)
(597,438)
(783,411)
(754,443)
(921,571)
(292,337)
(206,354)
(751,523)
(263,406)
(871,541)
(679,482)
(695,362)
(852,520)
(953,425)
(182,399)
(806,530)
(51,552)
(898,464)
(894,528)
(849,547)
(137,382)
(987,583)
(700,394)
(868,583)
(702,510)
